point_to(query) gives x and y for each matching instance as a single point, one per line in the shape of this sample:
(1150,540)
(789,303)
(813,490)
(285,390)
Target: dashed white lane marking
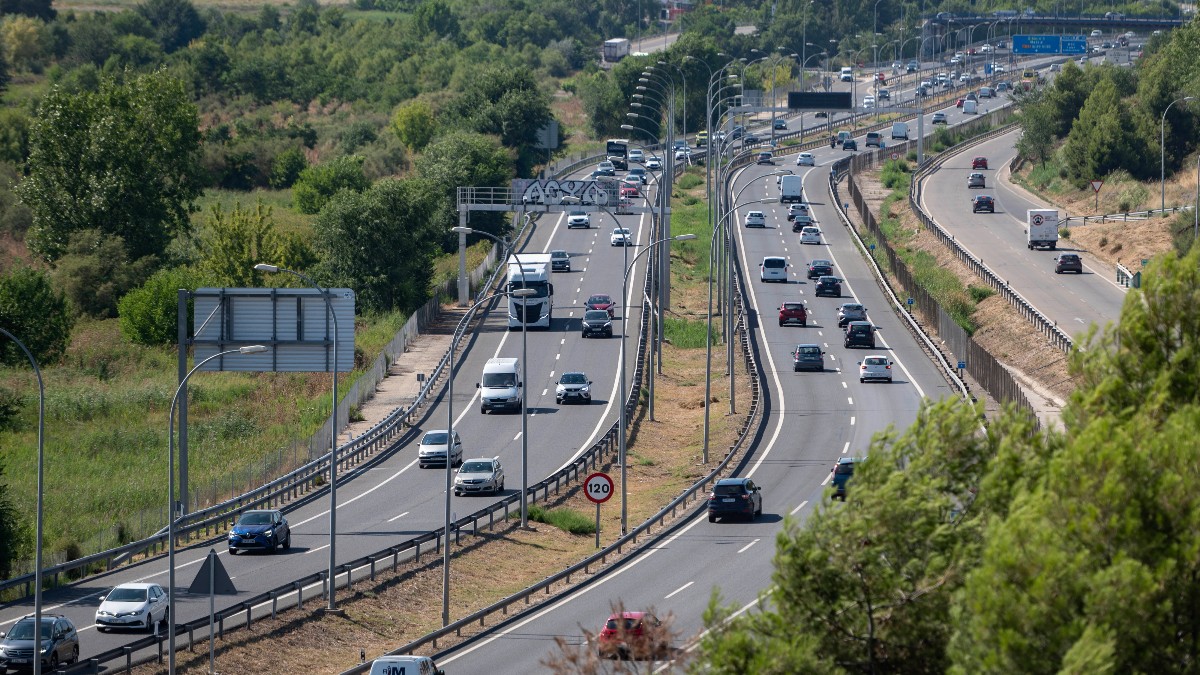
(797,509)
(314,550)
(398,517)
(668,595)
(846,448)
(850,400)
(747,546)
(851,421)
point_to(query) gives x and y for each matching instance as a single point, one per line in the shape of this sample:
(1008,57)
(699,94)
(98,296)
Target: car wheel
(74,654)
(274,545)
(803,323)
(287,543)
(712,518)
(54,661)
(781,324)
(100,629)
(232,551)
(482,410)
(861,380)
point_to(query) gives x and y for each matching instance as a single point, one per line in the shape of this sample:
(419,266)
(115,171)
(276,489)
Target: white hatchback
(773,268)
(620,237)
(875,367)
(805,159)
(810,235)
(756,219)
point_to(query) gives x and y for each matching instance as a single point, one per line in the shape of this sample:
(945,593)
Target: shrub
(149,315)
(96,271)
(980,293)
(1064,232)
(318,184)
(568,520)
(287,167)
(688,181)
(684,333)
(36,314)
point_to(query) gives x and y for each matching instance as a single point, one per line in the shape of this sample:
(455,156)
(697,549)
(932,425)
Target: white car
(805,159)
(756,219)
(875,367)
(868,102)
(573,386)
(683,156)
(132,605)
(636,155)
(578,219)
(478,476)
(810,235)
(773,268)
(653,163)
(432,450)
(1097,33)
(621,237)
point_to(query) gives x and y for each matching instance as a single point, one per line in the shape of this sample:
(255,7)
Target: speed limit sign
(598,488)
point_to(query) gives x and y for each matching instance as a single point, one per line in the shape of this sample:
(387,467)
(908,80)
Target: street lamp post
(1162,145)
(331,607)
(171,503)
(463,231)
(37,572)
(621,361)
(520,293)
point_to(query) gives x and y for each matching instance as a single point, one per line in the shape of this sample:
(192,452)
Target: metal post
(621,398)
(212,611)
(37,573)
(463,290)
(1162,145)
(182,367)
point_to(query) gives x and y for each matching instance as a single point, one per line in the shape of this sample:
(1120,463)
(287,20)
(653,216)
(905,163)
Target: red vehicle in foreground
(979,163)
(633,635)
(793,312)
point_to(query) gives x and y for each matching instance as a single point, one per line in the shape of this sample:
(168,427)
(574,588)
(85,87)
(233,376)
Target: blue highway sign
(1037,44)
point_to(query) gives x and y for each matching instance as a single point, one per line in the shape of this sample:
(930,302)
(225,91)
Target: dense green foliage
(10,535)
(316,185)
(149,314)
(1011,550)
(38,315)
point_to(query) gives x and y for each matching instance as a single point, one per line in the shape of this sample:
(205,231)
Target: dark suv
(860,334)
(983,203)
(597,322)
(1068,262)
(819,268)
(829,286)
(16,648)
(734,497)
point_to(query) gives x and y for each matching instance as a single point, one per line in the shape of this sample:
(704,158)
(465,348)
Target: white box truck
(1041,228)
(616,49)
(791,189)
(530,270)
(405,665)
(899,131)
(501,385)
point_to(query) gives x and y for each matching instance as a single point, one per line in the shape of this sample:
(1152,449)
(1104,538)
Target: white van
(970,107)
(501,386)
(405,665)
(773,269)
(847,74)
(899,131)
(791,189)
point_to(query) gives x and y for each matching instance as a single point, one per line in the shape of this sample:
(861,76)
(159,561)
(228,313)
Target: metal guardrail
(1044,324)
(1123,217)
(1128,278)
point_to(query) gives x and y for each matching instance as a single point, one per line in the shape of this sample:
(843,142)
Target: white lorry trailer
(615,49)
(530,270)
(1041,228)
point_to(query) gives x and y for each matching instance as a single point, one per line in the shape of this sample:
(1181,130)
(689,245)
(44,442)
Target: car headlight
(267,533)
(607,324)
(585,389)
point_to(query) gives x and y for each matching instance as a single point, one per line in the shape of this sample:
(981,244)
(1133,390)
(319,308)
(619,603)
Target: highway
(812,419)
(1073,301)
(388,501)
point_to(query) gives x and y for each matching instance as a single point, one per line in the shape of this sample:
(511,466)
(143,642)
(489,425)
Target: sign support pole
(597,524)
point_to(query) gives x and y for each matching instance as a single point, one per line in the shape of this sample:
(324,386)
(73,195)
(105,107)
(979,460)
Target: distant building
(673,9)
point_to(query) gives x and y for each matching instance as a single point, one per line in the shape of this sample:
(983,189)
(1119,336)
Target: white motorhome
(405,665)
(1041,228)
(501,385)
(791,189)
(530,270)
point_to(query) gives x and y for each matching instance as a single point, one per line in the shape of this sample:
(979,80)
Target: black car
(750,139)
(597,322)
(59,637)
(1068,262)
(983,203)
(859,334)
(780,124)
(850,144)
(820,268)
(821,113)
(261,530)
(734,497)
(829,285)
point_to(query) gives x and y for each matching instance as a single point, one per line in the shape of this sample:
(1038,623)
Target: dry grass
(664,458)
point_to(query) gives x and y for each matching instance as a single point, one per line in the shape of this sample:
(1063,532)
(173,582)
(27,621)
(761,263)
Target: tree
(505,102)
(25,43)
(1036,118)
(124,160)
(10,530)
(464,159)
(434,17)
(287,167)
(380,243)
(37,9)
(38,315)
(176,22)
(1104,138)
(95,272)
(233,244)
(414,124)
(149,315)
(317,184)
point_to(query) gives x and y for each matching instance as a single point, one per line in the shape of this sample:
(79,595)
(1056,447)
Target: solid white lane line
(398,517)
(826,481)
(668,595)
(797,509)
(747,546)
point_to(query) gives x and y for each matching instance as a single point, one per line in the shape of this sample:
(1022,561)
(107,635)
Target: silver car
(432,451)
(477,476)
(850,311)
(976,180)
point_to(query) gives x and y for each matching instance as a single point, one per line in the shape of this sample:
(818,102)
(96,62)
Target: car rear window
(810,351)
(793,306)
(1069,257)
(876,361)
(811,230)
(774,262)
(846,469)
(729,490)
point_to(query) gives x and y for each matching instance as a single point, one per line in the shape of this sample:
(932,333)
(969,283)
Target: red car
(793,312)
(959,103)
(881,78)
(979,163)
(629,191)
(633,635)
(601,301)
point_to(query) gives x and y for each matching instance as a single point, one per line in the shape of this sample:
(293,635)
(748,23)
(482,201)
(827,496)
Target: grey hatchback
(851,311)
(859,334)
(808,357)
(58,635)
(1068,262)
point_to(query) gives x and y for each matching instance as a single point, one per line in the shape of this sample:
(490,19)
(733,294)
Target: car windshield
(735,489)
(24,629)
(573,378)
(851,308)
(809,351)
(876,361)
(477,467)
(595,315)
(599,300)
(126,595)
(255,518)
(578,213)
(499,379)
(620,230)
(434,438)
(558,254)
(636,171)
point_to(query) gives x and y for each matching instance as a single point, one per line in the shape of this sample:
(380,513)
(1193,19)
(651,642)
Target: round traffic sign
(1036,219)
(598,487)
(895,155)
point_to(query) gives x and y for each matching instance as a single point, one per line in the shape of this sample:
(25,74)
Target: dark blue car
(265,530)
(734,497)
(843,471)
